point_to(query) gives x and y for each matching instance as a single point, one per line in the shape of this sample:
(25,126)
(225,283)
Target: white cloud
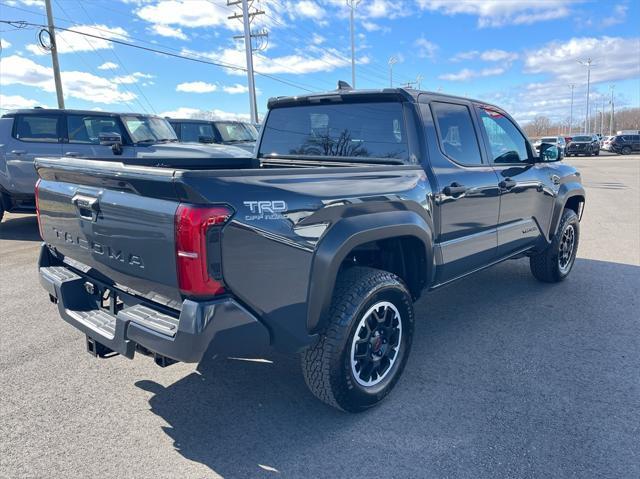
(130,79)
(494,55)
(85,86)
(317,39)
(69,42)
(311,60)
(619,15)
(615,58)
(196,87)
(498,56)
(215,114)
(426,49)
(308,8)
(187,13)
(5,43)
(383,9)
(15,102)
(108,66)
(467,74)
(167,31)
(496,13)
(235,89)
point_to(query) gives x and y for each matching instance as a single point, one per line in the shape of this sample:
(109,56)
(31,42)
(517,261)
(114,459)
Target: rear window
(548,140)
(39,128)
(346,130)
(581,138)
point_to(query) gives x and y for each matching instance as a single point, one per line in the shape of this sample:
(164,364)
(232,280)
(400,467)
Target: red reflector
(192,223)
(38,207)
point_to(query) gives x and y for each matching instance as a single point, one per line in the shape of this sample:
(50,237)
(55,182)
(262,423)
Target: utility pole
(419,79)
(353,4)
(54,55)
(392,61)
(587,63)
(604,103)
(247,18)
(611,87)
(572,86)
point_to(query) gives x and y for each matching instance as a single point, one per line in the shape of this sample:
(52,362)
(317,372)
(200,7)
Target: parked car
(587,145)
(557,141)
(604,142)
(26,134)
(625,144)
(236,133)
(359,204)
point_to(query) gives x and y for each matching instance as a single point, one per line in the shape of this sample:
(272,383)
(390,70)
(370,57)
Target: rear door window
(457,135)
(344,130)
(38,128)
(86,129)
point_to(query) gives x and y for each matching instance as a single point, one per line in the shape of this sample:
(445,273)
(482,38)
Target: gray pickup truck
(26,134)
(356,203)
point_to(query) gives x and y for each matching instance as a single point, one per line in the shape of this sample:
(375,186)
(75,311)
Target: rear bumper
(200,329)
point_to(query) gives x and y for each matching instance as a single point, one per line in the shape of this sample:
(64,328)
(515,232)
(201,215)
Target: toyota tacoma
(354,204)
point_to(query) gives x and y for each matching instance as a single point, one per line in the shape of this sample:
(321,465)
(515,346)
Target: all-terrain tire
(328,367)
(553,264)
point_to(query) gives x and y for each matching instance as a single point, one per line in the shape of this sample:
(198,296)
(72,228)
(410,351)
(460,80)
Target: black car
(236,133)
(625,144)
(587,145)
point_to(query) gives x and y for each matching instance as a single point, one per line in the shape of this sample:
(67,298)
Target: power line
(18,23)
(94,50)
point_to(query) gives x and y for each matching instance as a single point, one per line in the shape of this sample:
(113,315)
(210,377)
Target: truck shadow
(20,228)
(504,370)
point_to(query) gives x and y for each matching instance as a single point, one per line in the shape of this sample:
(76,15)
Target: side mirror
(114,140)
(549,153)
(206,139)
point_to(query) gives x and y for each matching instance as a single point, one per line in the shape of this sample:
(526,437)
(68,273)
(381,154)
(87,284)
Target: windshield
(148,129)
(345,130)
(581,138)
(231,131)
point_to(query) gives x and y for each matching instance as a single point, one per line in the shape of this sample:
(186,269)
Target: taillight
(37,192)
(197,233)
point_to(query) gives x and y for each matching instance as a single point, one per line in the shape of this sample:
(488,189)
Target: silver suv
(27,134)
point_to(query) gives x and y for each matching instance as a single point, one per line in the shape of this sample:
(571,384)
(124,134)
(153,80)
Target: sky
(520,55)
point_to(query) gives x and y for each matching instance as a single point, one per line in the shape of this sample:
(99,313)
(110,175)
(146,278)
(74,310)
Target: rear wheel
(364,348)
(555,263)
(626,150)
(1,210)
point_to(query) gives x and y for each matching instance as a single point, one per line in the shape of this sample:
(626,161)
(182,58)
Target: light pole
(572,86)
(587,63)
(353,4)
(611,87)
(392,61)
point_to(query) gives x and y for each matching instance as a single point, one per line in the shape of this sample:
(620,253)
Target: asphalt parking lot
(508,377)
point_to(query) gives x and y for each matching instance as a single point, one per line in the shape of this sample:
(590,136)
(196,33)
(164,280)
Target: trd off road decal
(265,210)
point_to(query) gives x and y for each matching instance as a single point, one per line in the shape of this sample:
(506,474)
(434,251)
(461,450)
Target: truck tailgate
(115,223)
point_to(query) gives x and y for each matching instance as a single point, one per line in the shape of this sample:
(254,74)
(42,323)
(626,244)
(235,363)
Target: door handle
(72,153)
(18,152)
(454,189)
(87,206)
(507,184)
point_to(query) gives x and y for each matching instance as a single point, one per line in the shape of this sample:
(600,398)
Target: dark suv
(625,144)
(587,145)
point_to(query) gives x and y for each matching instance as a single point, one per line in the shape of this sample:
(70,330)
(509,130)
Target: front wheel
(555,263)
(363,350)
